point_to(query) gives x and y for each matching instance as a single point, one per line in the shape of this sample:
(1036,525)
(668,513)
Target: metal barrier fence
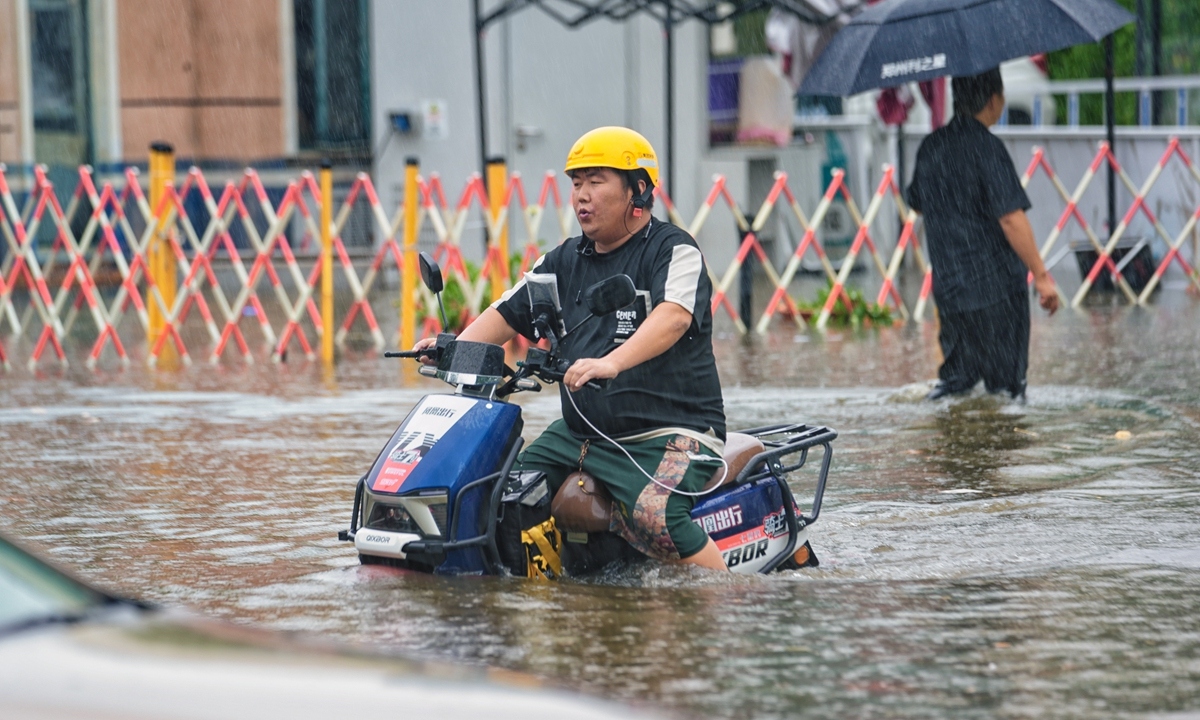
(122,227)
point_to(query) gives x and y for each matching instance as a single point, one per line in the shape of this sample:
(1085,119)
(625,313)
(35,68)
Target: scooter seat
(740,448)
(582,504)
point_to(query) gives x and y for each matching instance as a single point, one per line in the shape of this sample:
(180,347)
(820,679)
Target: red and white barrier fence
(45,311)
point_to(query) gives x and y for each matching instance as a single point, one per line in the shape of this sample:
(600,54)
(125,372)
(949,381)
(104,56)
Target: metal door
(563,82)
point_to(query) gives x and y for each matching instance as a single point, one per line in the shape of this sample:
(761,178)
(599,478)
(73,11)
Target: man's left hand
(585,369)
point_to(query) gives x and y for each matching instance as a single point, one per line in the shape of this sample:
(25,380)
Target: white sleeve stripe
(520,284)
(683,276)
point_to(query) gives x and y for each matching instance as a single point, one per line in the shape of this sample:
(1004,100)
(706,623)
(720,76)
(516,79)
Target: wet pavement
(979,558)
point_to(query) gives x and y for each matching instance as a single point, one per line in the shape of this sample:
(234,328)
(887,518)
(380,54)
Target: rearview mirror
(610,295)
(431,274)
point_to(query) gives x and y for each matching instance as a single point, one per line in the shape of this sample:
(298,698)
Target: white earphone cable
(691,456)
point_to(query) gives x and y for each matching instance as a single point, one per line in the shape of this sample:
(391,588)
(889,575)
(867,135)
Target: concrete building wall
(204,75)
(10,115)
(421,52)
(547,85)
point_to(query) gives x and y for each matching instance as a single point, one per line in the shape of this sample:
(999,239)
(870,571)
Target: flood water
(979,559)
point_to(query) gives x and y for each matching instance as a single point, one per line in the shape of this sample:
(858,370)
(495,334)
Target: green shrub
(861,312)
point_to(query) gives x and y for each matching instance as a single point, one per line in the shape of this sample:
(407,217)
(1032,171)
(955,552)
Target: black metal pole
(1140,39)
(1110,121)
(669,82)
(746,286)
(900,170)
(1156,54)
(480,90)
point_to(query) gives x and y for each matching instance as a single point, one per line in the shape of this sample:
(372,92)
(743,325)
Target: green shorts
(653,519)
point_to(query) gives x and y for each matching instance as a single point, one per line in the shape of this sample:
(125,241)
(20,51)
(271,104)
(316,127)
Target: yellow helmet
(614,147)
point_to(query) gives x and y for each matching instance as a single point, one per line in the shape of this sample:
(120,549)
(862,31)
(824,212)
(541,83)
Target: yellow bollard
(497,184)
(160,260)
(408,281)
(326,176)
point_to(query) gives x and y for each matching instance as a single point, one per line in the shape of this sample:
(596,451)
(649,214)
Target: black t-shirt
(680,387)
(964,182)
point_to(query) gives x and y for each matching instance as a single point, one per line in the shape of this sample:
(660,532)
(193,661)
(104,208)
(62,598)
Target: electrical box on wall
(405,123)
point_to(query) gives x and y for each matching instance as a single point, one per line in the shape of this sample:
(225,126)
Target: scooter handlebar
(443,340)
(427,352)
(552,369)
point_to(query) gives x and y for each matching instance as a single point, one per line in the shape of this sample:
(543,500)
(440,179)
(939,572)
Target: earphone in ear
(641,200)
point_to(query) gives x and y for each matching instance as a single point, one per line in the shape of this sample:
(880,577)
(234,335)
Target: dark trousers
(991,344)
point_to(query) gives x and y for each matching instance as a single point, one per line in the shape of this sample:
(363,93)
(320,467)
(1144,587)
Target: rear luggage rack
(796,438)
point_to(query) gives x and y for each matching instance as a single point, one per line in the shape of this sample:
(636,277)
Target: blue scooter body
(444,446)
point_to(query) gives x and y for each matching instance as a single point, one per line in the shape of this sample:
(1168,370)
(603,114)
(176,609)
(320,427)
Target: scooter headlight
(438,511)
(423,515)
(428,511)
(394,518)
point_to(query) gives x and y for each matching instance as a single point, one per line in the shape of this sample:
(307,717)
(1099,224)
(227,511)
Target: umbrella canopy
(900,41)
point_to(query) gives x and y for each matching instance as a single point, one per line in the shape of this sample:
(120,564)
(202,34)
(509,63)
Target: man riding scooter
(653,434)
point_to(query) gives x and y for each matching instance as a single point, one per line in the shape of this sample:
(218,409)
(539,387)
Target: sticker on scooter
(746,554)
(775,524)
(421,431)
(752,535)
(723,519)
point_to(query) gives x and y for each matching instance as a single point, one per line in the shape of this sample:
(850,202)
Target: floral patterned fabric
(645,528)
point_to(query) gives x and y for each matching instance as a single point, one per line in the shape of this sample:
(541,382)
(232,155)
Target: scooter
(442,496)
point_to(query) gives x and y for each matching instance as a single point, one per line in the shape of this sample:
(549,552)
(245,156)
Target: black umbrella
(899,41)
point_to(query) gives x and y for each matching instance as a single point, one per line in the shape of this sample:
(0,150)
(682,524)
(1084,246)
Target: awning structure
(573,14)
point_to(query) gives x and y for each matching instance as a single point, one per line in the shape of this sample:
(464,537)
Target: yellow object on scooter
(541,544)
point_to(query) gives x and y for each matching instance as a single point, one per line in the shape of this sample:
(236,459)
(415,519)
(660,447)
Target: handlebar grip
(402,354)
(597,384)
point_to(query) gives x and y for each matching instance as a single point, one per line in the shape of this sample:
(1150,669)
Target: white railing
(1145,87)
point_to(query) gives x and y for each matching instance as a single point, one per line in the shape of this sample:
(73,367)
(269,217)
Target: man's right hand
(1019,234)
(1047,292)
(425,344)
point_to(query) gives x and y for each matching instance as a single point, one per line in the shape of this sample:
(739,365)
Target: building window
(58,71)
(333,74)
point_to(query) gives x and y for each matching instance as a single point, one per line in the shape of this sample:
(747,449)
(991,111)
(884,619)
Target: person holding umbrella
(980,245)
(964,182)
